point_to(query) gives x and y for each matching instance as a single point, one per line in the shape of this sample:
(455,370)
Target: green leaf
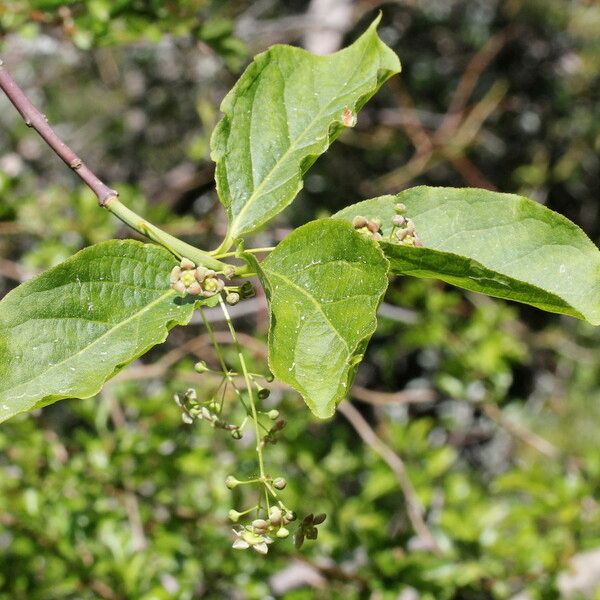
(64,333)
(324,283)
(502,245)
(283,113)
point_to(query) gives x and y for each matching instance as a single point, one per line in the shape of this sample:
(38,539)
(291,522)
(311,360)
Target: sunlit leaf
(324,283)
(502,245)
(285,110)
(64,333)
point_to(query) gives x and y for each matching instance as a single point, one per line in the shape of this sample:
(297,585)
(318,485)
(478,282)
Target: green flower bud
(201,367)
(269,377)
(279,483)
(234,515)
(400,208)
(273,414)
(282,533)
(231,482)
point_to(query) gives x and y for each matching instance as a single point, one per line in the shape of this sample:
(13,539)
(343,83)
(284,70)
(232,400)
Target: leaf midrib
(314,302)
(83,350)
(292,147)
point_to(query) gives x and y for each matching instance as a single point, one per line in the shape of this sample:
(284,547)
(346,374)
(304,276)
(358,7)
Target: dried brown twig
(414,508)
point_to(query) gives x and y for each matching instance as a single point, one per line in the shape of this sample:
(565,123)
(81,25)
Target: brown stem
(35,119)
(414,508)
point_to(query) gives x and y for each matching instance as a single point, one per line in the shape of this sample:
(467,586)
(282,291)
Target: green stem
(176,246)
(226,372)
(250,390)
(251,250)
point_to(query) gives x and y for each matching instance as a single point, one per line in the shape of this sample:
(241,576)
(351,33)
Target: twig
(520,431)
(107,197)
(414,508)
(14,271)
(376,398)
(466,86)
(35,119)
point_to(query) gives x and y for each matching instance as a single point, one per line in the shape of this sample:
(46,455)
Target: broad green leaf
(324,283)
(502,245)
(63,334)
(283,113)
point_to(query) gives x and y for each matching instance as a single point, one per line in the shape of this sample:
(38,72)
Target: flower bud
(374,226)
(200,274)
(273,414)
(187,418)
(229,271)
(269,377)
(282,533)
(232,298)
(175,274)
(400,208)
(190,394)
(398,220)
(231,482)
(279,483)
(234,515)
(186,264)
(201,367)
(260,525)
(194,288)
(359,222)
(275,515)
(179,286)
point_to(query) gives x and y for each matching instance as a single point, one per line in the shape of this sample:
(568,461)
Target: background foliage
(497,414)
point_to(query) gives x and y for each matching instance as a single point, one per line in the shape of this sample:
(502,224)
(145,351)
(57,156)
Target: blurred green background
(493,407)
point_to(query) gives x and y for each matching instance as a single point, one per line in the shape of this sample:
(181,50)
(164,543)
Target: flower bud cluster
(259,534)
(404,232)
(370,228)
(197,281)
(208,410)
